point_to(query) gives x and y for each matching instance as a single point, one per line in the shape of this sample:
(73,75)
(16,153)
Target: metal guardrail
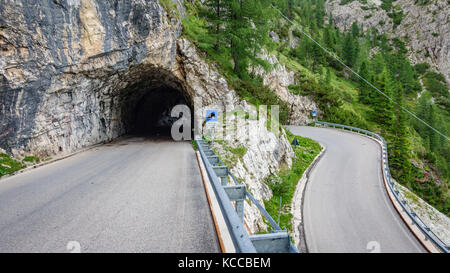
(276,241)
(392,187)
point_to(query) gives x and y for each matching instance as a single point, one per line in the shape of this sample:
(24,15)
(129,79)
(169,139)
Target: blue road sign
(314,113)
(212,115)
(295,142)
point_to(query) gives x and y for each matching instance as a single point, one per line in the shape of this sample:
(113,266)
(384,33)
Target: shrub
(421,68)
(9,165)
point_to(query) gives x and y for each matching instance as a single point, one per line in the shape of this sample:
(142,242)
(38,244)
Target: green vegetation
(421,68)
(283,184)
(224,31)
(31,159)
(397,17)
(386,4)
(9,165)
(238,151)
(232,35)
(194,145)
(229,155)
(422,2)
(345,2)
(170,7)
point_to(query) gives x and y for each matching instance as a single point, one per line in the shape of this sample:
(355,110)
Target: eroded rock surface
(279,78)
(66,65)
(72,71)
(263,153)
(424,28)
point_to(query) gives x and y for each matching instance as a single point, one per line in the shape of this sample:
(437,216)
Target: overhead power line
(359,76)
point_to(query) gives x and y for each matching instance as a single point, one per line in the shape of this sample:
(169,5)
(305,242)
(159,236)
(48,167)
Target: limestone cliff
(252,157)
(71,70)
(279,78)
(65,64)
(424,27)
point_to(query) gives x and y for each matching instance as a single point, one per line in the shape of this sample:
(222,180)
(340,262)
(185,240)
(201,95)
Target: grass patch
(411,197)
(194,145)
(238,151)
(31,159)
(9,165)
(229,155)
(171,8)
(283,185)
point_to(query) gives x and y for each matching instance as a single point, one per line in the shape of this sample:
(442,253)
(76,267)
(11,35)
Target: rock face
(72,71)
(345,15)
(424,28)
(66,65)
(279,79)
(265,153)
(438,222)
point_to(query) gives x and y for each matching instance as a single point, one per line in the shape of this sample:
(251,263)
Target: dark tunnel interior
(148,112)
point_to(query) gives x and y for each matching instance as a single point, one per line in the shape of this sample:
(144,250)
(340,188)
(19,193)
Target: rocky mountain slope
(423,25)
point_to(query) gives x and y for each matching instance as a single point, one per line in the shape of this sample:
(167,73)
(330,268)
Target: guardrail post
(237,194)
(213,160)
(277,242)
(240,209)
(222,173)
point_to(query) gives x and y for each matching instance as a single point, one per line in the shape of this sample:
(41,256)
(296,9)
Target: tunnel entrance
(147,111)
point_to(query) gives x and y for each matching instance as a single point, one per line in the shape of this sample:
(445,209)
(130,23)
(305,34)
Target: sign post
(295,143)
(212,116)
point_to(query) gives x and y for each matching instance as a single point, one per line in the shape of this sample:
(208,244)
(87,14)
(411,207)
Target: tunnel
(146,108)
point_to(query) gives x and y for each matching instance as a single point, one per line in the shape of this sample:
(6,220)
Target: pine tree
(431,118)
(382,106)
(261,18)
(350,50)
(427,111)
(364,89)
(399,146)
(355,30)
(246,29)
(214,11)
(319,12)
(330,19)
(328,77)
(406,76)
(328,39)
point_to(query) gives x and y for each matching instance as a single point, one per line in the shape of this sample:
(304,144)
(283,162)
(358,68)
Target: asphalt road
(346,207)
(135,195)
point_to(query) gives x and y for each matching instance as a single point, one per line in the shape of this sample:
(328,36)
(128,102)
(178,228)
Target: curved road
(135,195)
(345,206)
